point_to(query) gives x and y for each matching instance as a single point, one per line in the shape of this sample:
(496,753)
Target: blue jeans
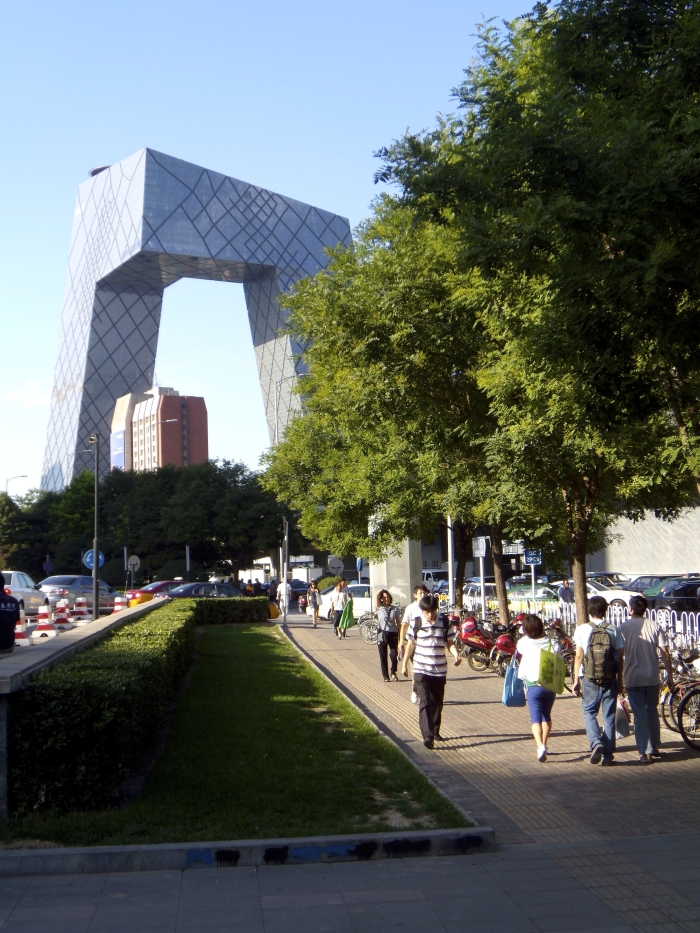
(645,706)
(540,703)
(597,697)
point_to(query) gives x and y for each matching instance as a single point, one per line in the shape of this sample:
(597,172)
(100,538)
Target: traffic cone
(61,616)
(22,639)
(80,611)
(120,602)
(44,628)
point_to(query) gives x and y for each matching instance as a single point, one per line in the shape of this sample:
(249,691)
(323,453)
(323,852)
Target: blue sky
(293,97)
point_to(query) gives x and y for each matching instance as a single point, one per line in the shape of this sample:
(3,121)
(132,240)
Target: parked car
(298,587)
(543,594)
(433,578)
(203,591)
(28,593)
(472,595)
(152,591)
(71,586)
(360,594)
(655,590)
(610,578)
(680,595)
(525,579)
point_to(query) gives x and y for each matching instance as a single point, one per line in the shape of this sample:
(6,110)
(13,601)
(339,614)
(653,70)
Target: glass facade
(139,226)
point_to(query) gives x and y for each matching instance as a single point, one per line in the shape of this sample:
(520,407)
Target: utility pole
(450,562)
(95,441)
(285,525)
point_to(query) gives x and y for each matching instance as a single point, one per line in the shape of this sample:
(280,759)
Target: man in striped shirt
(427,639)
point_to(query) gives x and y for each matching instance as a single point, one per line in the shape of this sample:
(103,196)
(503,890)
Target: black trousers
(431,693)
(336,620)
(391,644)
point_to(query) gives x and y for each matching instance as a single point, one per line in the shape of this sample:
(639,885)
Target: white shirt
(338,600)
(411,612)
(527,646)
(582,635)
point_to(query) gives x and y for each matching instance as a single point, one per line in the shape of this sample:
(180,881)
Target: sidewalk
(583,849)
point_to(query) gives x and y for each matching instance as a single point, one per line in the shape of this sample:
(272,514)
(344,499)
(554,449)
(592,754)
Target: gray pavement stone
(308,920)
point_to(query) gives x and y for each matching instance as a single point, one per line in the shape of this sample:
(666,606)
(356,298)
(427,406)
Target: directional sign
(359,564)
(533,557)
(134,563)
(89,559)
(479,547)
(47,566)
(335,565)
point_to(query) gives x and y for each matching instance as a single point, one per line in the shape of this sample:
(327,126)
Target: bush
(224,611)
(76,731)
(325,582)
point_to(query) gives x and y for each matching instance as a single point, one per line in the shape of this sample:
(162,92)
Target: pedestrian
(288,595)
(257,588)
(600,652)
(9,617)
(272,591)
(338,600)
(539,700)
(249,588)
(314,598)
(387,634)
(411,612)
(643,639)
(566,597)
(427,639)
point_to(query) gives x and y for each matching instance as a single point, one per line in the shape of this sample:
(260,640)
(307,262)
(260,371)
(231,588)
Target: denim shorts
(540,703)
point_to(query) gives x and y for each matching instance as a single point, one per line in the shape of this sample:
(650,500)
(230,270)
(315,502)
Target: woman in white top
(338,599)
(539,700)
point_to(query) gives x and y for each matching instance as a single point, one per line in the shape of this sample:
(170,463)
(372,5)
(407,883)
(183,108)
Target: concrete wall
(652,546)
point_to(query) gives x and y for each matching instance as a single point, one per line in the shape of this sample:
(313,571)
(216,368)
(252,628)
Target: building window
(436,564)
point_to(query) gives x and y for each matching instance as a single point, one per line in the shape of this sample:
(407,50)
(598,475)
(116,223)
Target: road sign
(89,559)
(359,564)
(533,557)
(335,565)
(47,566)
(479,547)
(133,563)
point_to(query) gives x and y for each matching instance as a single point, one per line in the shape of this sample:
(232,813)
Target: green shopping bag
(347,620)
(552,670)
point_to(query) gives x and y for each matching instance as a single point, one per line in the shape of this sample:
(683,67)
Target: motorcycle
(473,644)
(504,649)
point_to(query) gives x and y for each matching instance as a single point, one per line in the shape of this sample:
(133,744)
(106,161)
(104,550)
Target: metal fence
(682,629)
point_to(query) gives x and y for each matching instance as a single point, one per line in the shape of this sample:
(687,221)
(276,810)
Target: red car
(144,594)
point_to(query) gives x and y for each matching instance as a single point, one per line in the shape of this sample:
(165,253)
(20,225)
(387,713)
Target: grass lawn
(260,746)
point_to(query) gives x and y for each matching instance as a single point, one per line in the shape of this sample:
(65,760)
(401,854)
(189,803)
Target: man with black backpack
(599,659)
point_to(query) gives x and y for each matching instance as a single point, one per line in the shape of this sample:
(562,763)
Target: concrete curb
(248,852)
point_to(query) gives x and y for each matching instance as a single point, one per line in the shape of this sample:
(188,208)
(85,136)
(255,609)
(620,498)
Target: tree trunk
(578,572)
(462,535)
(497,557)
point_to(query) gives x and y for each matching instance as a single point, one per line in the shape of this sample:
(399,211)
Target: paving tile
(416,917)
(308,920)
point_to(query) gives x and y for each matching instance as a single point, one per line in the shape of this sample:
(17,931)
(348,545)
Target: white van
(431,578)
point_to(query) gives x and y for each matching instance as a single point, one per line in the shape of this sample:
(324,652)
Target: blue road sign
(47,566)
(359,564)
(533,557)
(89,559)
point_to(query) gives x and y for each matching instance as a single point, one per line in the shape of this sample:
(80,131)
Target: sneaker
(596,755)
(542,753)
(607,762)
(395,678)
(655,753)
(428,743)
(414,697)
(386,680)
(646,759)
(439,737)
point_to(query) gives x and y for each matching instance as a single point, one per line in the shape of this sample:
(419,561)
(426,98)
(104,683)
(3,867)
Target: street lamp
(8,481)
(95,440)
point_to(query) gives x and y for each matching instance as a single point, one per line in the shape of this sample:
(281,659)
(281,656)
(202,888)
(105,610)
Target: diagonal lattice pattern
(139,226)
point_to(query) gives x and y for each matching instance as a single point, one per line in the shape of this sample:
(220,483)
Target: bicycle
(688,717)
(368,627)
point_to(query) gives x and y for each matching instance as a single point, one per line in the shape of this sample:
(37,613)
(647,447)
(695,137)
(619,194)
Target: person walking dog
(387,634)
(600,652)
(427,639)
(643,639)
(539,700)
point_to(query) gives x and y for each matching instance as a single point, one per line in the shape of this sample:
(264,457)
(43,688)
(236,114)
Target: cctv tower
(139,226)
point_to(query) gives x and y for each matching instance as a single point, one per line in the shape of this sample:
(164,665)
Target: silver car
(71,586)
(28,593)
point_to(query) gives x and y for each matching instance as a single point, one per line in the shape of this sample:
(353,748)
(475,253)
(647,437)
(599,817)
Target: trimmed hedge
(224,611)
(325,582)
(75,732)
